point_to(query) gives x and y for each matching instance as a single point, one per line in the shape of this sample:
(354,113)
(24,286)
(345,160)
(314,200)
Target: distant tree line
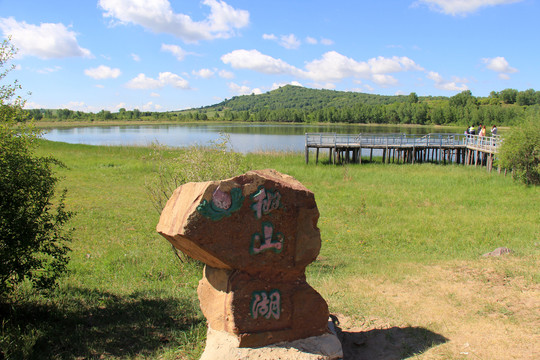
(294,104)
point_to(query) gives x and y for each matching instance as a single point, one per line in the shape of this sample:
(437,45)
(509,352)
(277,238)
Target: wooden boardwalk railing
(459,148)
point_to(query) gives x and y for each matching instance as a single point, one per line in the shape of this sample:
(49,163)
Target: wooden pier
(405,148)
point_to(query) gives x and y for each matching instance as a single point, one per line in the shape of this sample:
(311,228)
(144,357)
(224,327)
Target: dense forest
(299,104)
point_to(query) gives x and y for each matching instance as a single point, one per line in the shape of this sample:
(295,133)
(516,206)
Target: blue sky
(161,55)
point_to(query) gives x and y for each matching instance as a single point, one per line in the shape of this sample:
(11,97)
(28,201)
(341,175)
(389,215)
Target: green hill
(297,97)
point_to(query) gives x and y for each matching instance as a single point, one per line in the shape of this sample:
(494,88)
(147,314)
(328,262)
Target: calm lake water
(244,137)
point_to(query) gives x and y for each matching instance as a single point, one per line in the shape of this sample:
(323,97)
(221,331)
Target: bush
(197,163)
(32,240)
(32,243)
(520,150)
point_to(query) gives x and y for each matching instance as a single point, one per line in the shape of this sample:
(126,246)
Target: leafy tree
(33,244)
(463,99)
(412,98)
(508,95)
(520,150)
(527,97)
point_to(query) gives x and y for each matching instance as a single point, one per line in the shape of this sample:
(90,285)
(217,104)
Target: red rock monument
(256,233)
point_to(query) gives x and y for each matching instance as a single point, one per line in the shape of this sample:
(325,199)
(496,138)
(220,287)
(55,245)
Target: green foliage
(296,104)
(508,95)
(463,99)
(527,97)
(520,150)
(32,240)
(195,164)
(412,98)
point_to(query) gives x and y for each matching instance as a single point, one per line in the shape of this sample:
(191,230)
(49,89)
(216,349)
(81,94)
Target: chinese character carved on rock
(256,233)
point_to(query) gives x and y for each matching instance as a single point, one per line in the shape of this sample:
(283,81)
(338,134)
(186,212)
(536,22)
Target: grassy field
(400,264)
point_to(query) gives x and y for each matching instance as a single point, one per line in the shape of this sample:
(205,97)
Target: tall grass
(128,297)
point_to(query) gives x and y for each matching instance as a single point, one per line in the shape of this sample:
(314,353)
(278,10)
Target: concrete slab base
(224,346)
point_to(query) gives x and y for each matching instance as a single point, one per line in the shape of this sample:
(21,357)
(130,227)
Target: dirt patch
(466,310)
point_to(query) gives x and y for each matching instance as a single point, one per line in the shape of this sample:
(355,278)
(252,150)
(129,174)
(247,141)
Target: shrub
(32,240)
(520,150)
(196,163)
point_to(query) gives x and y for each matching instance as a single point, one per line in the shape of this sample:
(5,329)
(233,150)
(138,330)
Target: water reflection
(244,137)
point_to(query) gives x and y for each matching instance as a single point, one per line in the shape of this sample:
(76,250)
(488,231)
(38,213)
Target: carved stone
(256,233)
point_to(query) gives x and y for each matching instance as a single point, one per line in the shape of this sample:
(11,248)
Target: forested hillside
(298,104)
(297,97)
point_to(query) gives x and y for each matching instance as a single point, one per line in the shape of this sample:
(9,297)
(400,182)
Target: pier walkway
(406,148)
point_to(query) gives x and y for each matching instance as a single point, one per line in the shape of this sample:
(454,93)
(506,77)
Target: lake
(243,137)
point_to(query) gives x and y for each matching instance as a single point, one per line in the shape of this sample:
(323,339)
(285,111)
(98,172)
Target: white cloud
(46,41)
(328,86)
(49,70)
(204,73)
(33,105)
(142,82)
(119,106)
(369,88)
(79,106)
(176,50)
(278,85)
(269,37)
(500,65)
(135,57)
(289,41)
(150,106)
(254,60)
(154,94)
(159,17)
(103,72)
(243,89)
(442,84)
(226,74)
(461,7)
(384,80)
(311,41)
(332,67)
(327,42)
(168,78)
(382,65)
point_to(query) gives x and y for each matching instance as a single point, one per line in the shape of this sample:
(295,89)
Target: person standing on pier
(494,130)
(482,132)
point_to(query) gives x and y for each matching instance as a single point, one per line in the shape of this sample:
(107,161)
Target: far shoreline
(71,124)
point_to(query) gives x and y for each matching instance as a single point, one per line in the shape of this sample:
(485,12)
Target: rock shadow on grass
(393,343)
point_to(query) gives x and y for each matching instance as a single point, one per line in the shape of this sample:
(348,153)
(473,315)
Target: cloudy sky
(161,55)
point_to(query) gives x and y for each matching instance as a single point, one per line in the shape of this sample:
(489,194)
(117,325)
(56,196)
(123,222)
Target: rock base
(225,346)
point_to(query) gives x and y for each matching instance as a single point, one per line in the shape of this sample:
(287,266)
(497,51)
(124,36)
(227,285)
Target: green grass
(425,213)
(128,297)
